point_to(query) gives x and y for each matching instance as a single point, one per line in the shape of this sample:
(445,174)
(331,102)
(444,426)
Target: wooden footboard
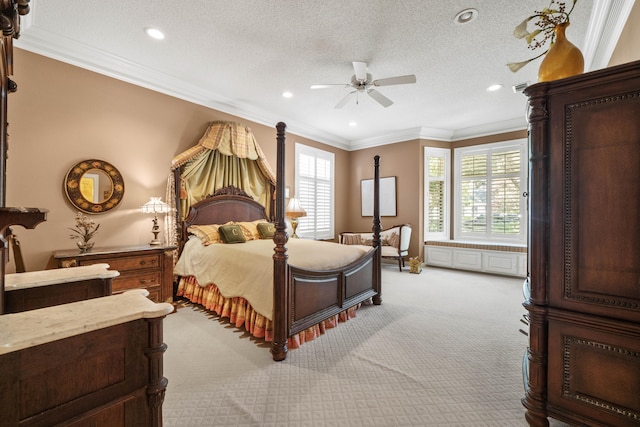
(317,295)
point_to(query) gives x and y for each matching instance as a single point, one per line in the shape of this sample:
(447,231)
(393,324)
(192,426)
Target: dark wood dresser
(97,362)
(148,267)
(583,290)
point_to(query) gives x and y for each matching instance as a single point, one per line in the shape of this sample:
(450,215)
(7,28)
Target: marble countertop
(34,279)
(35,327)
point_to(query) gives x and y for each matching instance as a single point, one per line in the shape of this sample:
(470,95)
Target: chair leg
(400,263)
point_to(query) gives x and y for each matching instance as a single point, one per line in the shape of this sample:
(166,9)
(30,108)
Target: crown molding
(71,52)
(607,21)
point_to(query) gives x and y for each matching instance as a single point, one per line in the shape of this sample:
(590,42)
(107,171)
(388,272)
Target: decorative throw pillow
(250,229)
(232,234)
(352,239)
(266,230)
(394,240)
(208,234)
(367,242)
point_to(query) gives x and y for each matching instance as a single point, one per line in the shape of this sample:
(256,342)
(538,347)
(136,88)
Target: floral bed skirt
(240,313)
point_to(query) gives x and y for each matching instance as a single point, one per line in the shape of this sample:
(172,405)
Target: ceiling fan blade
(346,99)
(399,80)
(326,86)
(382,100)
(360,70)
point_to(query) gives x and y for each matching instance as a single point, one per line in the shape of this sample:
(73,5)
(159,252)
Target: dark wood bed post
(377,299)
(280,283)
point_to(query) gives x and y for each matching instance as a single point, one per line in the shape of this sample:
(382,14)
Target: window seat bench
(494,258)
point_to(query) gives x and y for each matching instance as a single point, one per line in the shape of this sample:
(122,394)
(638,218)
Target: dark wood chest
(584,249)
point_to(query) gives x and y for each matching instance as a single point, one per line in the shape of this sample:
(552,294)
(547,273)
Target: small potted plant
(84,230)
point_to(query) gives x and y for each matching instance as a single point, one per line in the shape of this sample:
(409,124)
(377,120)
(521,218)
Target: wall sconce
(155,206)
(295,211)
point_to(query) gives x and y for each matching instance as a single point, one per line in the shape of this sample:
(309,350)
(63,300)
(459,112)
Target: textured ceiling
(238,56)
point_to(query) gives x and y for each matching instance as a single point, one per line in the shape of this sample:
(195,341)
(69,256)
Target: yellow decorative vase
(563,59)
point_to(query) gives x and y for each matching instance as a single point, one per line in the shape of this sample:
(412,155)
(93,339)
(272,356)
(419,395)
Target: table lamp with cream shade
(155,206)
(294,211)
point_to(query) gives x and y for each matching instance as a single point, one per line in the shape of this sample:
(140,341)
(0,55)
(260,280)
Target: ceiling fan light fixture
(362,82)
(465,16)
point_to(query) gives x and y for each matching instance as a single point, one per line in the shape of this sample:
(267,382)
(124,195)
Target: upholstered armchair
(394,241)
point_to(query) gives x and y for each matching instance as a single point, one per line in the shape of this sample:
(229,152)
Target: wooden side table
(148,267)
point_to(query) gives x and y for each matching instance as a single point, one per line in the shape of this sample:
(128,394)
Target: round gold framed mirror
(94,186)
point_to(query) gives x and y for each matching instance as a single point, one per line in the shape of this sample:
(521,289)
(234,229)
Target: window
(436,186)
(314,182)
(490,180)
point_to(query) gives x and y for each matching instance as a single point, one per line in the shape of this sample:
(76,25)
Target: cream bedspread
(246,269)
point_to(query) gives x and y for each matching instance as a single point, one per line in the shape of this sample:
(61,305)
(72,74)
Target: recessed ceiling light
(154,33)
(465,16)
(287,94)
(353,124)
(494,88)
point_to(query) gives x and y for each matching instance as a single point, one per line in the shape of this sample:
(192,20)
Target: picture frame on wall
(387,196)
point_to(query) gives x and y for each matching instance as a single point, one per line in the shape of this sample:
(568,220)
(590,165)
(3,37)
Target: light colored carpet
(442,350)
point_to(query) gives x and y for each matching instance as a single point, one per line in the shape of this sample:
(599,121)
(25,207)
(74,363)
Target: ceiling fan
(362,82)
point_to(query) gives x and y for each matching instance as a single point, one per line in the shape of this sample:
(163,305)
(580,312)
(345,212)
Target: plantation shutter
(437,162)
(489,192)
(505,193)
(474,193)
(315,191)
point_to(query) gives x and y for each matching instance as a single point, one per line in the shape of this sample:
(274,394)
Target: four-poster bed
(306,292)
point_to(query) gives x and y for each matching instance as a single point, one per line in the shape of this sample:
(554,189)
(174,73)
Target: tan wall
(401,160)
(63,114)
(404,160)
(628,47)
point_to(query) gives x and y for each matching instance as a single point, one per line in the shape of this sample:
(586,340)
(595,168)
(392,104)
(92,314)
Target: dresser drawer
(123,264)
(134,281)
(155,293)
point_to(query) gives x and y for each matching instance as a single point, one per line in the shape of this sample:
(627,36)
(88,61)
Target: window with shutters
(436,186)
(314,188)
(490,180)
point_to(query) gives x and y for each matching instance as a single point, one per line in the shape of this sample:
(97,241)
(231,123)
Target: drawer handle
(145,281)
(145,262)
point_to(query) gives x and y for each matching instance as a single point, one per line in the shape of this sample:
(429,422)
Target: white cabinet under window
(463,256)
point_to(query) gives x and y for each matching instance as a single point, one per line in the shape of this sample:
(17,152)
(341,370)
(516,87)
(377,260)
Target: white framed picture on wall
(387,196)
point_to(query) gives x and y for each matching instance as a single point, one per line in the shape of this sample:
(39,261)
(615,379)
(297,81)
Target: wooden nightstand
(148,267)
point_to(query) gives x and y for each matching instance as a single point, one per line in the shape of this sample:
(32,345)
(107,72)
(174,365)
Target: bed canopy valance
(226,155)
